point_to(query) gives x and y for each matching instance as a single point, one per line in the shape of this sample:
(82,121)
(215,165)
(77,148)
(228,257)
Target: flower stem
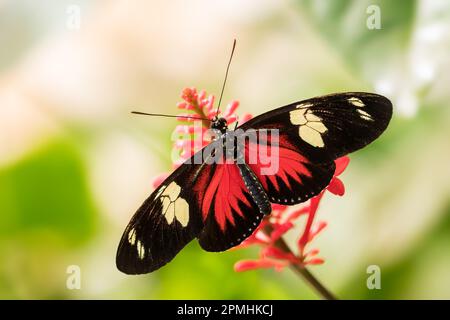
(313,282)
(302,270)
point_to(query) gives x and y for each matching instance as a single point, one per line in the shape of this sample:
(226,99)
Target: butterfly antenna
(168,115)
(226,76)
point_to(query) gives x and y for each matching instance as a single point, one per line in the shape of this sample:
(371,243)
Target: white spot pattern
(132,237)
(356,102)
(173,206)
(310,125)
(364,115)
(140,250)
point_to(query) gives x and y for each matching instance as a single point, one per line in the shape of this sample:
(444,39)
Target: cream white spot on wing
(311,136)
(356,102)
(311,126)
(165,204)
(303,105)
(312,117)
(140,250)
(170,215)
(172,191)
(318,126)
(182,211)
(173,206)
(297,117)
(132,237)
(364,115)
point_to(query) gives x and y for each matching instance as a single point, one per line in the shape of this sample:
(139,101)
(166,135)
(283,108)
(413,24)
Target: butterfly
(221,203)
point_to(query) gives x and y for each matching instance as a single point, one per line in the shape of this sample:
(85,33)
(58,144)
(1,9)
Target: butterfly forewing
(311,135)
(168,220)
(326,128)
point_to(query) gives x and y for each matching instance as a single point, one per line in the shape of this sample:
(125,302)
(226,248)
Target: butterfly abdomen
(255,188)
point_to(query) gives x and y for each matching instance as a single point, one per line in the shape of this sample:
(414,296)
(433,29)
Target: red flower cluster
(187,142)
(203,106)
(281,220)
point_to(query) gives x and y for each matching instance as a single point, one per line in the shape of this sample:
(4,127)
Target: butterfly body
(255,189)
(222,193)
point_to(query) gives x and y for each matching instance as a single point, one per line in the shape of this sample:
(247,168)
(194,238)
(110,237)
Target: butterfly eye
(222,122)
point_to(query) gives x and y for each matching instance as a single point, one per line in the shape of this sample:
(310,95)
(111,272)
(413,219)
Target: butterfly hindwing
(288,176)
(233,205)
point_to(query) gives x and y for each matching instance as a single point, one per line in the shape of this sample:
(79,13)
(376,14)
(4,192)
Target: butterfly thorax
(219,124)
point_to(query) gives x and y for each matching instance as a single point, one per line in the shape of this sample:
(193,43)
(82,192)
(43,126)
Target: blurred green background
(75,165)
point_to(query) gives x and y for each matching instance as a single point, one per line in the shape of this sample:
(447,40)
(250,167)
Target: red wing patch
(287,176)
(226,194)
(229,212)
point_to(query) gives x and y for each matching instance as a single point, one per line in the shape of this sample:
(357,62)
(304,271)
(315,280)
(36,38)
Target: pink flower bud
(246,265)
(245,117)
(184,129)
(297,213)
(280,229)
(159,179)
(341,165)
(274,252)
(231,108)
(314,261)
(312,252)
(336,187)
(189,95)
(316,230)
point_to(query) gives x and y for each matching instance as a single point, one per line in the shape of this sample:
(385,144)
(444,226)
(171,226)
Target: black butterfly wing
(331,126)
(311,135)
(168,220)
(210,201)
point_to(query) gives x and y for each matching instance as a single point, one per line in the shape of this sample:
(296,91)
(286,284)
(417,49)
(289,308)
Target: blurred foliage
(47,191)
(47,210)
(399,281)
(343,24)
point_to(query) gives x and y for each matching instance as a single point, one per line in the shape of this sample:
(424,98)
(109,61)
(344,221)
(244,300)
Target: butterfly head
(219,124)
